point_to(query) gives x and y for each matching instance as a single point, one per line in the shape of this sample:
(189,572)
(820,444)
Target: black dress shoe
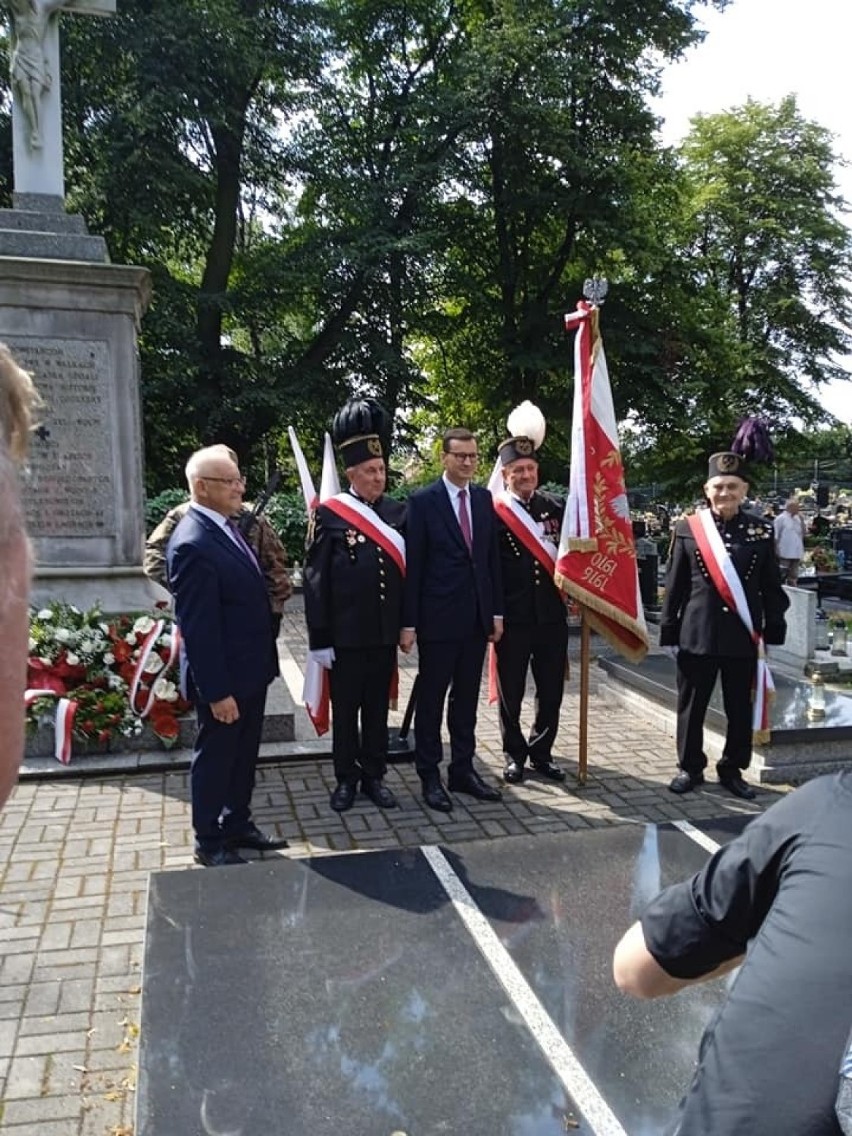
(472,784)
(378,792)
(513,774)
(549,769)
(218,857)
(259,841)
(686,782)
(343,797)
(436,797)
(734,782)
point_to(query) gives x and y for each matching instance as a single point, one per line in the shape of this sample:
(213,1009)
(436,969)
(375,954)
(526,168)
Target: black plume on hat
(753,442)
(358,426)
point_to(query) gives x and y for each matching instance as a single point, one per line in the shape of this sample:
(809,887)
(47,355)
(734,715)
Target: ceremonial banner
(315,692)
(596,562)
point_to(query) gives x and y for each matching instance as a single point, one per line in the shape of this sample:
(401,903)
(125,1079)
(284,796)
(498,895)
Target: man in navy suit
(452,605)
(228,657)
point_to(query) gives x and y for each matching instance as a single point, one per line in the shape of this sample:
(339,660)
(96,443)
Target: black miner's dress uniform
(712,638)
(535,632)
(353,602)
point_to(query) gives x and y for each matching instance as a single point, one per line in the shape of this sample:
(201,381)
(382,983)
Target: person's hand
(406,639)
(497,634)
(672,652)
(225,710)
(324,656)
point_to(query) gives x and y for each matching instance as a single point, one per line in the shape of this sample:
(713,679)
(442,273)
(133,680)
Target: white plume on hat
(527,421)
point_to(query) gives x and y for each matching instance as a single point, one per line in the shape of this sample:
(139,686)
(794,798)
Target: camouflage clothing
(259,533)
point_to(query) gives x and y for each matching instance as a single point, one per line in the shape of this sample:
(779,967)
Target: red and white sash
(728,584)
(522,525)
(368,522)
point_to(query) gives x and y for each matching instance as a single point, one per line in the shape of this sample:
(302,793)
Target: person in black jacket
(354,569)
(705,632)
(535,630)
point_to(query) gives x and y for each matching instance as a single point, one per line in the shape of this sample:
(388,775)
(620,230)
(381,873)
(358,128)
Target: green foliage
(157,507)
(402,199)
(286,513)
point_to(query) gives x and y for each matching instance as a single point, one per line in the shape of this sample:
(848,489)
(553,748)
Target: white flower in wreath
(63,635)
(32,645)
(109,658)
(46,659)
(131,639)
(116,682)
(104,627)
(153,664)
(143,624)
(45,614)
(165,690)
(72,660)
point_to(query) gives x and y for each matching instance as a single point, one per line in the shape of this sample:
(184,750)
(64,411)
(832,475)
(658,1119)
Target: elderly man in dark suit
(452,605)
(228,657)
(722,575)
(354,571)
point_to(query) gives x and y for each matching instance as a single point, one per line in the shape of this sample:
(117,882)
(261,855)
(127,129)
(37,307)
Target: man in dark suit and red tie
(452,606)
(228,657)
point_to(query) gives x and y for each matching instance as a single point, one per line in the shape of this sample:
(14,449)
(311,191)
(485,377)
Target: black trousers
(222,776)
(542,647)
(696,677)
(454,667)
(359,685)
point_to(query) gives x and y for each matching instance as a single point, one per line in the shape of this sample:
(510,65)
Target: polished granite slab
(344,993)
(655,677)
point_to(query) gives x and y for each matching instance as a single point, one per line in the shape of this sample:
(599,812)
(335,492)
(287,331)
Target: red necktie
(464,520)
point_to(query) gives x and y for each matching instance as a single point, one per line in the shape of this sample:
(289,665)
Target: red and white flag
(315,691)
(596,562)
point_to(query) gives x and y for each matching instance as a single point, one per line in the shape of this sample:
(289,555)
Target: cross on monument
(36,97)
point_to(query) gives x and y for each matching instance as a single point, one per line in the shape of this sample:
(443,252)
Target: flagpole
(585,650)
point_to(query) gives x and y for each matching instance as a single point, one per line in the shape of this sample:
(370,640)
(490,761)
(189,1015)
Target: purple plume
(753,442)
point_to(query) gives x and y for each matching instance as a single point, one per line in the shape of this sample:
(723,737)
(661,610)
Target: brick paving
(76,856)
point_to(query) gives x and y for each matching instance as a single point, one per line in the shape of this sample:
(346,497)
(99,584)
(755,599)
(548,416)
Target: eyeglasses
(231,482)
(462,457)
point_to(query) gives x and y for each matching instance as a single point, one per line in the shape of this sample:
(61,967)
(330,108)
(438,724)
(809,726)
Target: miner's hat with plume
(526,426)
(361,431)
(752,446)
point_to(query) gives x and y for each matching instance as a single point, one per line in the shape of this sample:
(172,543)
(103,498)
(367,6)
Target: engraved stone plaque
(70,488)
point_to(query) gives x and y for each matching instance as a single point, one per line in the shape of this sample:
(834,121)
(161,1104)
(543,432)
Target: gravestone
(800,640)
(71,318)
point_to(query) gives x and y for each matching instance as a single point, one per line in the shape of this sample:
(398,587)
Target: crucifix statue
(36,101)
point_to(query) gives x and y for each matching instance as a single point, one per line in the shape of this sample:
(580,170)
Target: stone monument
(71,318)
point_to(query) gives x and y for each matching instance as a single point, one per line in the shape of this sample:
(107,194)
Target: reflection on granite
(344,994)
(655,676)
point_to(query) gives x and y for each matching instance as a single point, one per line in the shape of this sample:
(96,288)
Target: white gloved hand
(324,656)
(671,652)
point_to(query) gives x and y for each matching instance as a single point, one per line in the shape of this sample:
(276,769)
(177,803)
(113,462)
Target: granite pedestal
(345,993)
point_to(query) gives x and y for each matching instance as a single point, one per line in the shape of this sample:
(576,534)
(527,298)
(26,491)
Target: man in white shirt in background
(790,541)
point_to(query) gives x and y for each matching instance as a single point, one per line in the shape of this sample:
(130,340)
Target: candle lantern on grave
(839,636)
(816,700)
(822,639)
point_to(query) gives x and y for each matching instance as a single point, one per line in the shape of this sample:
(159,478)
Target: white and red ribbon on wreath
(66,708)
(144,655)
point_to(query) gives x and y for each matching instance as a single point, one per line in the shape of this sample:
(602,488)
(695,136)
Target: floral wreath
(97,677)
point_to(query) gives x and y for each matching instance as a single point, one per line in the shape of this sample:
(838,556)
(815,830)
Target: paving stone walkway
(75,857)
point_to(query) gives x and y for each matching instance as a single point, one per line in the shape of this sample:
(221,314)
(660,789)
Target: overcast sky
(767,49)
